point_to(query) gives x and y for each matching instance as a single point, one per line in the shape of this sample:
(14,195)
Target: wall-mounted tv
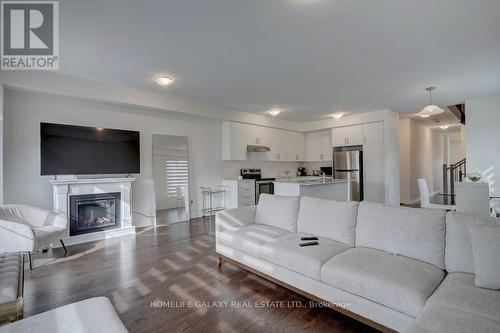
(78,150)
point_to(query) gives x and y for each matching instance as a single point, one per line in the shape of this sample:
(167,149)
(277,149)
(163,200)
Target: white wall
(25,110)
(421,156)
(456,147)
(483,139)
(404,160)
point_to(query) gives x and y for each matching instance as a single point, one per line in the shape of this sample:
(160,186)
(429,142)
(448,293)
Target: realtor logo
(30,35)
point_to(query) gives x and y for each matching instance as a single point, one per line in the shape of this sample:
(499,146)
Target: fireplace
(94,212)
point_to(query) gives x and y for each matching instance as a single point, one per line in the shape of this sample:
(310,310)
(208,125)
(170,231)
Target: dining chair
(425,198)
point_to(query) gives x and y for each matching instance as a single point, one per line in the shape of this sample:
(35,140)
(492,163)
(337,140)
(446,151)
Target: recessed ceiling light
(274,112)
(337,115)
(444,127)
(164,80)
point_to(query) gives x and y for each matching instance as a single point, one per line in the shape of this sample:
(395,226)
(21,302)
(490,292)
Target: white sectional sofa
(393,268)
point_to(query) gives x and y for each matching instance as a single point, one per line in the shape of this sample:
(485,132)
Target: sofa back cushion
(278,211)
(330,219)
(412,232)
(458,252)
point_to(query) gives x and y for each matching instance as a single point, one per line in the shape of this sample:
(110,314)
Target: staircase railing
(451,174)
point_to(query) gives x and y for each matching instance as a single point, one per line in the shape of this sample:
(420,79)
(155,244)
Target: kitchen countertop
(311,182)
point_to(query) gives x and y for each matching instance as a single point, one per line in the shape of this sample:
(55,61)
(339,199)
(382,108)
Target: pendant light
(431,109)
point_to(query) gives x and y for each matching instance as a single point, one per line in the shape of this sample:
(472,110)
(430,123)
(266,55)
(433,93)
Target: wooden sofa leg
(219,261)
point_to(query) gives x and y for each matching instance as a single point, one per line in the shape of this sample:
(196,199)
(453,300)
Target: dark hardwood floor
(173,263)
(175,215)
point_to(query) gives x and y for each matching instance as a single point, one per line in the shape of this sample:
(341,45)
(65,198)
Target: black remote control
(308,238)
(308,244)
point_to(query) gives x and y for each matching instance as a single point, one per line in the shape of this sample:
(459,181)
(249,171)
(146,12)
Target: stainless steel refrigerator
(348,164)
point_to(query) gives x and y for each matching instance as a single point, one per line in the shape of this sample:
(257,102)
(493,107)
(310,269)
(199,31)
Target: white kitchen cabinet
(347,136)
(338,137)
(373,133)
(319,146)
(256,135)
(296,143)
(277,140)
(234,141)
(354,135)
(239,193)
(374,172)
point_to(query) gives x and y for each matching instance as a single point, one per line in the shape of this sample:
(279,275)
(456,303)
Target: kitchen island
(331,189)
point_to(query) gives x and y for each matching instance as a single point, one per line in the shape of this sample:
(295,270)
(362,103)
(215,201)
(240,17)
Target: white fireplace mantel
(64,188)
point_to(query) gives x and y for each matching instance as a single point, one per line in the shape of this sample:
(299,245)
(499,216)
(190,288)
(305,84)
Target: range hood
(257,149)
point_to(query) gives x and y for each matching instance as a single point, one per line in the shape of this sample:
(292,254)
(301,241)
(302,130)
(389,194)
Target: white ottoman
(93,315)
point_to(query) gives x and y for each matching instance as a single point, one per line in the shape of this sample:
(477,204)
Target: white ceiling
(310,57)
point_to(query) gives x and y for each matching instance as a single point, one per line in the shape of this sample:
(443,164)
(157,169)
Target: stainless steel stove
(262,185)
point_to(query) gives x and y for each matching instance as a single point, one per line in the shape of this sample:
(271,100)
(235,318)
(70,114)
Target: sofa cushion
(95,315)
(412,232)
(458,253)
(286,252)
(400,283)
(330,219)
(249,238)
(459,292)
(436,318)
(278,211)
(486,250)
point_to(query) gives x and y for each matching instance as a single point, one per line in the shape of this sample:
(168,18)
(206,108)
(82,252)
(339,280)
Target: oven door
(263,187)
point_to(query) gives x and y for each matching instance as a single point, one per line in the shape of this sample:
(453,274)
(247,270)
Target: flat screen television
(78,150)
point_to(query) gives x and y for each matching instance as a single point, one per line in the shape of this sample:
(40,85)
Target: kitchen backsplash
(269,169)
(316,165)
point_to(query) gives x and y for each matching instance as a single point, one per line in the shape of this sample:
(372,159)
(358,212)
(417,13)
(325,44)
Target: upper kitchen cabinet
(234,141)
(347,136)
(373,133)
(256,135)
(296,146)
(318,146)
(277,140)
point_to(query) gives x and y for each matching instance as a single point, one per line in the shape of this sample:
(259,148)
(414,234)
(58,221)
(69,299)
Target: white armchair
(28,229)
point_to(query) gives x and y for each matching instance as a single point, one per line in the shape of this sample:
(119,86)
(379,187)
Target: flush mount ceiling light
(431,109)
(274,112)
(164,80)
(444,127)
(337,115)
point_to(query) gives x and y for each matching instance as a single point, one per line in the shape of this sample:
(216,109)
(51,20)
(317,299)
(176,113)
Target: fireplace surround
(98,225)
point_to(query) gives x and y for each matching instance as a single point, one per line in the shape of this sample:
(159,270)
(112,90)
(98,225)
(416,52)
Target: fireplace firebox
(94,212)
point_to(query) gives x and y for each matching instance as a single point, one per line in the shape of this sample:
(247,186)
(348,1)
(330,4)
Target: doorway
(171,178)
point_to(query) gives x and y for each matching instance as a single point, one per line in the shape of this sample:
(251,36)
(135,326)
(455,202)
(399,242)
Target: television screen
(77,150)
